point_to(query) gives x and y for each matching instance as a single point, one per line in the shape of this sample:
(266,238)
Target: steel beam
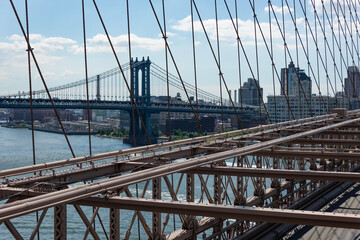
(278,173)
(80,192)
(257,214)
(13,230)
(143,149)
(60,222)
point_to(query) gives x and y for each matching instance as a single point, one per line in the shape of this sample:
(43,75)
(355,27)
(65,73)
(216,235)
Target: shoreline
(106,136)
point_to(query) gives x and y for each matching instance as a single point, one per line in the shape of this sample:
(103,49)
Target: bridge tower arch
(142,98)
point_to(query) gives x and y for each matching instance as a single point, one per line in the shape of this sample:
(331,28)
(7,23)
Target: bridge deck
(348,204)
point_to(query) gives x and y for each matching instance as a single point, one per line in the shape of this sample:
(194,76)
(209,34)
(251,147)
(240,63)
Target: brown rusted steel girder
(324,153)
(235,212)
(330,132)
(13,230)
(278,173)
(68,195)
(148,148)
(315,140)
(103,170)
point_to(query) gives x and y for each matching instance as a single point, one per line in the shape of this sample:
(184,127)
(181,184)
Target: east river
(16,151)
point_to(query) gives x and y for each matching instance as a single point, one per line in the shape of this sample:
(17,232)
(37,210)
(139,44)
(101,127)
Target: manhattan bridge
(290,179)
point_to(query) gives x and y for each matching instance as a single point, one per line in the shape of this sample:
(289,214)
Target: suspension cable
(271,57)
(257,61)
(175,65)
(217,63)
(131,71)
(41,76)
(86,75)
(272,62)
(194,58)
(167,70)
(122,72)
(239,65)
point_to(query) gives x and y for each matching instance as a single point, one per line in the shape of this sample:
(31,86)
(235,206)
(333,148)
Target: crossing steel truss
(232,181)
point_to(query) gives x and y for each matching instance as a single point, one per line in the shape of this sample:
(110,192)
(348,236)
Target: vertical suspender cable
(257,63)
(175,65)
(41,76)
(297,63)
(131,71)
(272,65)
(30,83)
(86,75)
(239,65)
(167,70)
(219,63)
(122,72)
(194,59)
(326,62)
(31,99)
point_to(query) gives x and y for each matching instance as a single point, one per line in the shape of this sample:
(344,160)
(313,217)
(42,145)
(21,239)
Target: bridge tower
(142,98)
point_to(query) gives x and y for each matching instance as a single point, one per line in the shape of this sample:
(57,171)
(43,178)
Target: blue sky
(56,35)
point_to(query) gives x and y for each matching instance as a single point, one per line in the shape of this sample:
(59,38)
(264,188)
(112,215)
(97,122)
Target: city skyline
(58,46)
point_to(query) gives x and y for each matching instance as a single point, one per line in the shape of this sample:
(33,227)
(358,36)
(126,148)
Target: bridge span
(292,175)
(296,163)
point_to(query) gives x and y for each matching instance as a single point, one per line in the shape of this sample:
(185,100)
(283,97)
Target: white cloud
(38,42)
(226,29)
(99,43)
(168,34)
(278,9)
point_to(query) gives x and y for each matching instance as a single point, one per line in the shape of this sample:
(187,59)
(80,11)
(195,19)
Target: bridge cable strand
(297,61)
(352,79)
(326,61)
(273,65)
(217,63)
(86,73)
(176,67)
(287,51)
(131,71)
(353,23)
(167,70)
(194,59)
(285,44)
(122,72)
(332,54)
(349,30)
(356,27)
(257,61)
(239,66)
(168,99)
(318,55)
(240,42)
(42,77)
(87,98)
(175,81)
(333,38)
(31,102)
(30,84)
(316,18)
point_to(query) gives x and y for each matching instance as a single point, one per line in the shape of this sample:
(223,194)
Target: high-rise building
(278,106)
(290,79)
(296,100)
(352,82)
(301,87)
(249,93)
